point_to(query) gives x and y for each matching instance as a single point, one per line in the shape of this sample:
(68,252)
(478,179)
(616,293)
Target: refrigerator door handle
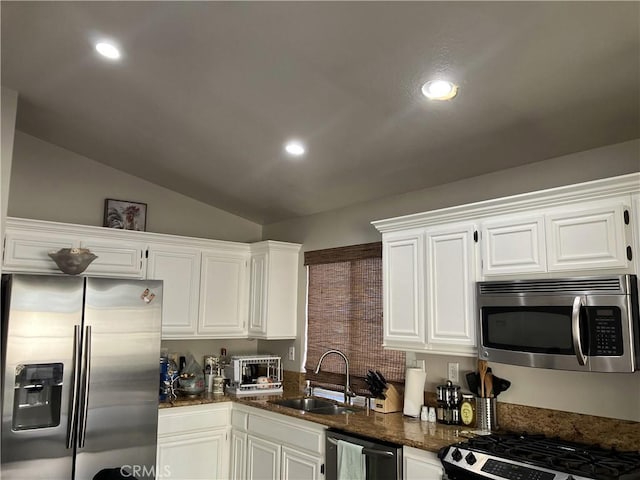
(75,388)
(82,430)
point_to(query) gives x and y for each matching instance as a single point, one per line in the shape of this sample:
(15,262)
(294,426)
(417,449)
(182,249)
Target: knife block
(392,403)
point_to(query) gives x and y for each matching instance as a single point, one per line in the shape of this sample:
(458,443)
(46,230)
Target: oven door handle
(575,331)
(368,451)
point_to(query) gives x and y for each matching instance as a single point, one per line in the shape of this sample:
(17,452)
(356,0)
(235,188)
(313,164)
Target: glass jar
(468,410)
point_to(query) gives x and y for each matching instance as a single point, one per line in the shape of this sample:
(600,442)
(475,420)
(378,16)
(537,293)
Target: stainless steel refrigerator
(80,363)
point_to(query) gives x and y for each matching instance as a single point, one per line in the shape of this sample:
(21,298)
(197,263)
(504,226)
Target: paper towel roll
(414,391)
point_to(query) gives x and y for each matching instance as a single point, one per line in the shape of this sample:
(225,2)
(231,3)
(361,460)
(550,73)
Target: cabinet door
(223,297)
(258,295)
(28,252)
(179,269)
(115,258)
(193,456)
(513,245)
(450,289)
(299,465)
(25,252)
(273,298)
(263,459)
(587,239)
(403,284)
(238,455)
(421,465)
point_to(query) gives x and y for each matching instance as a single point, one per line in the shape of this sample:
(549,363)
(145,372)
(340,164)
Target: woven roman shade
(344,312)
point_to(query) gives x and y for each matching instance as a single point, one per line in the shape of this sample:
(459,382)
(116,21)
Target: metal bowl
(73,261)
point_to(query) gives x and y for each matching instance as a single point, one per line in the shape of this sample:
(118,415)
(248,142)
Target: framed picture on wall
(125,215)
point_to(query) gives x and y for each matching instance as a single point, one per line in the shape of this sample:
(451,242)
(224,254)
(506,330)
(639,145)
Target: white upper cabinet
(450,299)
(587,238)
(431,260)
(428,276)
(206,282)
(403,289)
(118,259)
(179,269)
(223,294)
(513,245)
(571,238)
(273,302)
(28,243)
(634,221)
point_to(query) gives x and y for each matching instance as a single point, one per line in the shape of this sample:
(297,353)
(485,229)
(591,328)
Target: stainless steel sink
(313,405)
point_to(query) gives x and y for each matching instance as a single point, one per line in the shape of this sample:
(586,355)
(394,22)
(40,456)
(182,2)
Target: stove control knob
(470,458)
(456,455)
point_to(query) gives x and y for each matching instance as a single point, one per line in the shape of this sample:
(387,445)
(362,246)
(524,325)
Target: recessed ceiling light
(108,50)
(295,148)
(439,90)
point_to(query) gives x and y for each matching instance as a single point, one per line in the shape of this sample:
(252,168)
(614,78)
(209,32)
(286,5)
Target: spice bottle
(468,410)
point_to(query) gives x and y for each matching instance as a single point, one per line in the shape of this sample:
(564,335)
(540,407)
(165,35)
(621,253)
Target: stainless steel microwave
(586,323)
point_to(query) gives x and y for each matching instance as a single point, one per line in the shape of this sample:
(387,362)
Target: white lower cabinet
(263,459)
(270,446)
(297,464)
(238,455)
(420,465)
(193,442)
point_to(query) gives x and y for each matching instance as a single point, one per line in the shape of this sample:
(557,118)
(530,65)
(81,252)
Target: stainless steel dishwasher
(383,460)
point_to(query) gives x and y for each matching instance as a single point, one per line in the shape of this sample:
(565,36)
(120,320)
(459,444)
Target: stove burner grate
(559,455)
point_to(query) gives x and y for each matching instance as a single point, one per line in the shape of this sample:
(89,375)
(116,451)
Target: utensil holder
(487,419)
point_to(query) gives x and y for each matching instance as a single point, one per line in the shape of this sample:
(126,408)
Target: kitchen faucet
(348,394)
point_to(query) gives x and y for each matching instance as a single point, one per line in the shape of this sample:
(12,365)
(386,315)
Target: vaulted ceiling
(206,93)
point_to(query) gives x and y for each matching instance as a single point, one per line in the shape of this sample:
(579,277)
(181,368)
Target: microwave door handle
(575,331)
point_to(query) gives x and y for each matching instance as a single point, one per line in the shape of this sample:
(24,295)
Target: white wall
(8,123)
(610,395)
(51,183)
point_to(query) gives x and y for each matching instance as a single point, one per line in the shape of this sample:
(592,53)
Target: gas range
(535,457)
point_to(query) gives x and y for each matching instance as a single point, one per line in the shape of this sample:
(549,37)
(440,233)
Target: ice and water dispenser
(38,394)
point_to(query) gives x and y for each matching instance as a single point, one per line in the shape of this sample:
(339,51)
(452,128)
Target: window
(344,312)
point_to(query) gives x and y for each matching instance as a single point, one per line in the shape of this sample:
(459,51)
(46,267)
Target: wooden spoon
(482,370)
(488,380)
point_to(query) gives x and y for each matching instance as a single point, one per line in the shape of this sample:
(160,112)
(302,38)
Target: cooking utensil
(472,382)
(381,378)
(488,384)
(500,385)
(482,370)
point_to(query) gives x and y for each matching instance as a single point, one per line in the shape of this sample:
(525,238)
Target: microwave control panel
(606,331)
